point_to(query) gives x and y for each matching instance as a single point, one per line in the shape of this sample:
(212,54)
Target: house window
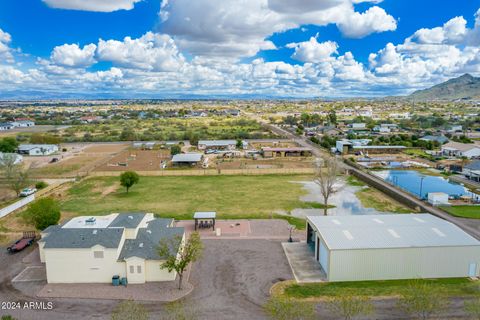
(132,269)
(139,269)
(98,254)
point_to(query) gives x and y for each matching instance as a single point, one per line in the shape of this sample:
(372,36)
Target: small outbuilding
(205,219)
(217,144)
(391,246)
(187,158)
(438,198)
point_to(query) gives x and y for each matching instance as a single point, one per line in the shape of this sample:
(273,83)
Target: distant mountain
(465,87)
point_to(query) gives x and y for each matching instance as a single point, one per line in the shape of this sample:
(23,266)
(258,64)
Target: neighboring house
(23,123)
(440,139)
(217,144)
(387,247)
(232,112)
(358,126)
(457,149)
(456,128)
(6,126)
(90,119)
(472,170)
(94,249)
(37,149)
(381,129)
(187,158)
(144,145)
(17,158)
(399,116)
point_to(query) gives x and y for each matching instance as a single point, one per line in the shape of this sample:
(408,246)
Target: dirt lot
(35,129)
(79,158)
(263,163)
(141,160)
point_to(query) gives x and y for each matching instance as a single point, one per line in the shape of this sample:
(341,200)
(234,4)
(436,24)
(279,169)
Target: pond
(345,201)
(420,184)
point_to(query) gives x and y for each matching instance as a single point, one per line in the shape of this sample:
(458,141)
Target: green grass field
(454,287)
(472,212)
(180,197)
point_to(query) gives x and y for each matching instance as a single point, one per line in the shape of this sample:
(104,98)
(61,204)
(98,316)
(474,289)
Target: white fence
(16,205)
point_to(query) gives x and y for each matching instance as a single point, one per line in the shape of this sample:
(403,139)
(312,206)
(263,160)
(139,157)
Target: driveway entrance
(302,261)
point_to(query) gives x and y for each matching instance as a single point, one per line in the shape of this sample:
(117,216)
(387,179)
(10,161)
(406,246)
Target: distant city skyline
(233,48)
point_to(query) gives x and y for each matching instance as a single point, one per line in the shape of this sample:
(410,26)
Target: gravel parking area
(233,279)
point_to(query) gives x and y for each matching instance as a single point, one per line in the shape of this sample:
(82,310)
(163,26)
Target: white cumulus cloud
(152,51)
(375,19)
(92,5)
(313,51)
(71,55)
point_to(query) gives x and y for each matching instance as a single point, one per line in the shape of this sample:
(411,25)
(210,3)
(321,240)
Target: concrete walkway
(302,261)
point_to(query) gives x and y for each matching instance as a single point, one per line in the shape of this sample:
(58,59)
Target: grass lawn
(472,212)
(180,197)
(353,181)
(453,287)
(372,198)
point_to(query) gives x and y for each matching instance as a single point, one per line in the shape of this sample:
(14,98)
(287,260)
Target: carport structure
(201,217)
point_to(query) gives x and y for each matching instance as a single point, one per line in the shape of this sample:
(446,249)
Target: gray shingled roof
(146,244)
(127,220)
(83,238)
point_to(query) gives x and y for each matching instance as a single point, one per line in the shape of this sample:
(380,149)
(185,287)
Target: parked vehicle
(27,192)
(26,241)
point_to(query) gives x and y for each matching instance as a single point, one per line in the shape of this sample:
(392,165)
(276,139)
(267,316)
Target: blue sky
(175,48)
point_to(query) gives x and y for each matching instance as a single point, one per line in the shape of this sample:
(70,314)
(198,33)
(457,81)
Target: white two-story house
(94,249)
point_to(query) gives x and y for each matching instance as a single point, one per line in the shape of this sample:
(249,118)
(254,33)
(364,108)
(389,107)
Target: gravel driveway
(233,279)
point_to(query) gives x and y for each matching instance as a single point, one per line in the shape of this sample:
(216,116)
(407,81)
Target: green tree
(178,254)
(239,144)
(8,145)
(193,138)
(473,308)
(8,317)
(41,138)
(422,300)
(127,134)
(348,307)
(128,179)
(175,149)
(289,309)
(129,310)
(332,117)
(18,180)
(43,212)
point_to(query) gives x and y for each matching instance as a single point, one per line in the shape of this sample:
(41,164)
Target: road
(468,225)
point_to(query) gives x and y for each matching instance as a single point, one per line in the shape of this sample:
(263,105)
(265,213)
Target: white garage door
(323,256)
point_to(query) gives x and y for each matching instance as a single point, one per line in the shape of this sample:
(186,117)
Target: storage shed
(386,247)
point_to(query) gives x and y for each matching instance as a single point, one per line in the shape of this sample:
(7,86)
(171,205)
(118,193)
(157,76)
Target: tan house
(94,249)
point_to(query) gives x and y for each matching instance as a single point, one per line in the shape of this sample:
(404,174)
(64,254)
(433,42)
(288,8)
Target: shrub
(43,213)
(41,185)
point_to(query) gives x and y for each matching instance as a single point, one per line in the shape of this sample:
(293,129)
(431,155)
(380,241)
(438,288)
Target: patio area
(270,229)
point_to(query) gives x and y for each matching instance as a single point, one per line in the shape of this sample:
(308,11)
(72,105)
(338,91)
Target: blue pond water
(420,184)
